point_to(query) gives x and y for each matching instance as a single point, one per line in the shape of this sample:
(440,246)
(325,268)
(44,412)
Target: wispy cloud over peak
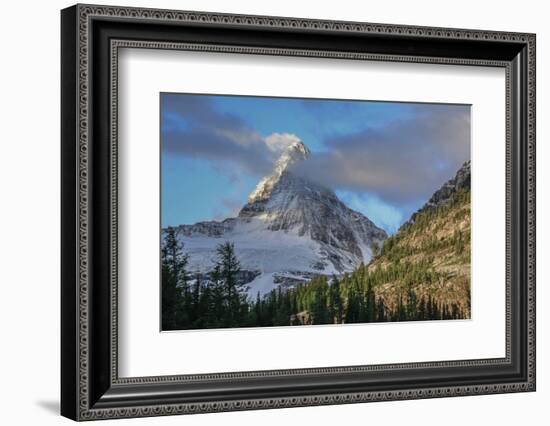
(279,142)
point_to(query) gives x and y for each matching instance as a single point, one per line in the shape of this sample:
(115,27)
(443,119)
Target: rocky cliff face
(443,195)
(290,229)
(286,202)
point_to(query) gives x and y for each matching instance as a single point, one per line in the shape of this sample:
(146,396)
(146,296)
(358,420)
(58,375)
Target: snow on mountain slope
(290,230)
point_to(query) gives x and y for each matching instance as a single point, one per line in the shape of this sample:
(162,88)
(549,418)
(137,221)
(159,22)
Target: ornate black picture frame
(90,38)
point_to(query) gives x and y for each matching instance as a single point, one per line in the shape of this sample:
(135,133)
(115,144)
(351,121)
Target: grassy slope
(431,256)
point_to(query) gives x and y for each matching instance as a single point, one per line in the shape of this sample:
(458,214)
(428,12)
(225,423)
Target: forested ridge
(420,273)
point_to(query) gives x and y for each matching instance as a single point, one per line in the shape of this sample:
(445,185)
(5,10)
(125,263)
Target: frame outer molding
(76,402)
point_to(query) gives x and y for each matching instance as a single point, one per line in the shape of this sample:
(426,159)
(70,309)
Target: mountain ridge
(461,180)
(429,256)
(297,225)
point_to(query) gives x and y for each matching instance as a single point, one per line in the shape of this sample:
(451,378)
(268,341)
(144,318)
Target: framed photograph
(263,212)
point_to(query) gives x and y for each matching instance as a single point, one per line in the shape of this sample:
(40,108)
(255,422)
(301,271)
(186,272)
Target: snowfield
(269,252)
(290,230)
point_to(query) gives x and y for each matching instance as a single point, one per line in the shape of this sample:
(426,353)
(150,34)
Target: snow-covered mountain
(289,230)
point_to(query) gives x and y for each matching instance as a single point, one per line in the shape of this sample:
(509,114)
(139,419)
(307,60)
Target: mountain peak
(291,229)
(294,152)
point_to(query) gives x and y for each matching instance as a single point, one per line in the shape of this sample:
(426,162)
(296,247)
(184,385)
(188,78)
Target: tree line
(186,303)
(352,298)
(221,299)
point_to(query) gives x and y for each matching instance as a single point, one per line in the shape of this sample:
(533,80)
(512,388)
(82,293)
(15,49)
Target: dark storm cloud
(191,126)
(404,161)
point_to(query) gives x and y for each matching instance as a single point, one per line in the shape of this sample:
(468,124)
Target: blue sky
(384,159)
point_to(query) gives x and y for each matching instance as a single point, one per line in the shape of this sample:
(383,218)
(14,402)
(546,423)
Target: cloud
(405,161)
(192,127)
(278,142)
(390,159)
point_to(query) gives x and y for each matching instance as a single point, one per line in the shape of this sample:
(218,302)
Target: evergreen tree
(401,311)
(258,310)
(422,309)
(381,310)
(205,309)
(174,282)
(335,302)
(412,306)
(195,299)
(370,306)
(217,296)
(229,267)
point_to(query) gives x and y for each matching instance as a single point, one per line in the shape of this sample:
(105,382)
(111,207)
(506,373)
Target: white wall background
(29,213)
